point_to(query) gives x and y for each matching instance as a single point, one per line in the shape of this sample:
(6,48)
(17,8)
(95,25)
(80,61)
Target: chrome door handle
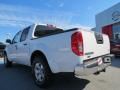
(25,44)
(16,47)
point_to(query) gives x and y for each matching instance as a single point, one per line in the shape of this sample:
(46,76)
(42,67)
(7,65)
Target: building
(108,22)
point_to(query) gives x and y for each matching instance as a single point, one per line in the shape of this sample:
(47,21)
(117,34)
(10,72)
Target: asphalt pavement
(19,78)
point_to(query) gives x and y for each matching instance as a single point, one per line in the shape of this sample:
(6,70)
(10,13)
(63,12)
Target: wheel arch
(41,54)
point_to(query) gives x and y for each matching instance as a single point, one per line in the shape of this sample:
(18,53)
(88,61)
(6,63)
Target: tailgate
(95,44)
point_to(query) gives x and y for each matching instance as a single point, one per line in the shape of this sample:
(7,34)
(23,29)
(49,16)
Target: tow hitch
(97,73)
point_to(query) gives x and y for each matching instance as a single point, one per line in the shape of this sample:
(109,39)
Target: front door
(13,47)
(11,52)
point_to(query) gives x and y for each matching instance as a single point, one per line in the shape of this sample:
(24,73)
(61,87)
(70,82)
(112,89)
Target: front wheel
(7,63)
(41,72)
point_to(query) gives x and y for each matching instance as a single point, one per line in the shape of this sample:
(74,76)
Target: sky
(17,14)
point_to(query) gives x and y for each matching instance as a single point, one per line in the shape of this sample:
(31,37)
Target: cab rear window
(42,31)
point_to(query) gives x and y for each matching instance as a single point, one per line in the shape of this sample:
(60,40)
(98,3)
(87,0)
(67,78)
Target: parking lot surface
(19,78)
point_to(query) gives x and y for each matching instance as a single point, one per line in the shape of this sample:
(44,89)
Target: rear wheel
(7,63)
(41,72)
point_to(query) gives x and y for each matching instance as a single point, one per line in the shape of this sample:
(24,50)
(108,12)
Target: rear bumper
(83,70)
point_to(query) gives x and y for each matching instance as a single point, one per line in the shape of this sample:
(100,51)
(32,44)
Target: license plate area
(99,61)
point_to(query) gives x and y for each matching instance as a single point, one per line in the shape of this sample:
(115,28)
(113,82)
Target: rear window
(42,31)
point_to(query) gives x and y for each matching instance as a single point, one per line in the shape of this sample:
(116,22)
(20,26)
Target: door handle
(16,47)
(25,44)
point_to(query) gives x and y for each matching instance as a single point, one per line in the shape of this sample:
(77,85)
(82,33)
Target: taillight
(77,43)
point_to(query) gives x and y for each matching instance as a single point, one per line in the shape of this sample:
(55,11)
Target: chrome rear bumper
(94,67)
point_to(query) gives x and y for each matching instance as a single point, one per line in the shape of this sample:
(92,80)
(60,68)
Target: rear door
(23,47)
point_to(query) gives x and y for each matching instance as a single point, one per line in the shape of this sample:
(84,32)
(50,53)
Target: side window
(24,34)
(16,39)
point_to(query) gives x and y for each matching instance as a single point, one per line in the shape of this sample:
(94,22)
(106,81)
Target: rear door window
(24,34)
(16,39)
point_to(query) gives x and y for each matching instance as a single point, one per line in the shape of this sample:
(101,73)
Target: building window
(116,31)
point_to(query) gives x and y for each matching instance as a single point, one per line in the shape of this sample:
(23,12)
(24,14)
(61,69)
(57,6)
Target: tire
(41,72)
(7,63)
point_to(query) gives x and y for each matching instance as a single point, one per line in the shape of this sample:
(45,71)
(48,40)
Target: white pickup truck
(49,50)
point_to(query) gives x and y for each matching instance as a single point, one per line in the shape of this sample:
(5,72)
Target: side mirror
(8,41)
